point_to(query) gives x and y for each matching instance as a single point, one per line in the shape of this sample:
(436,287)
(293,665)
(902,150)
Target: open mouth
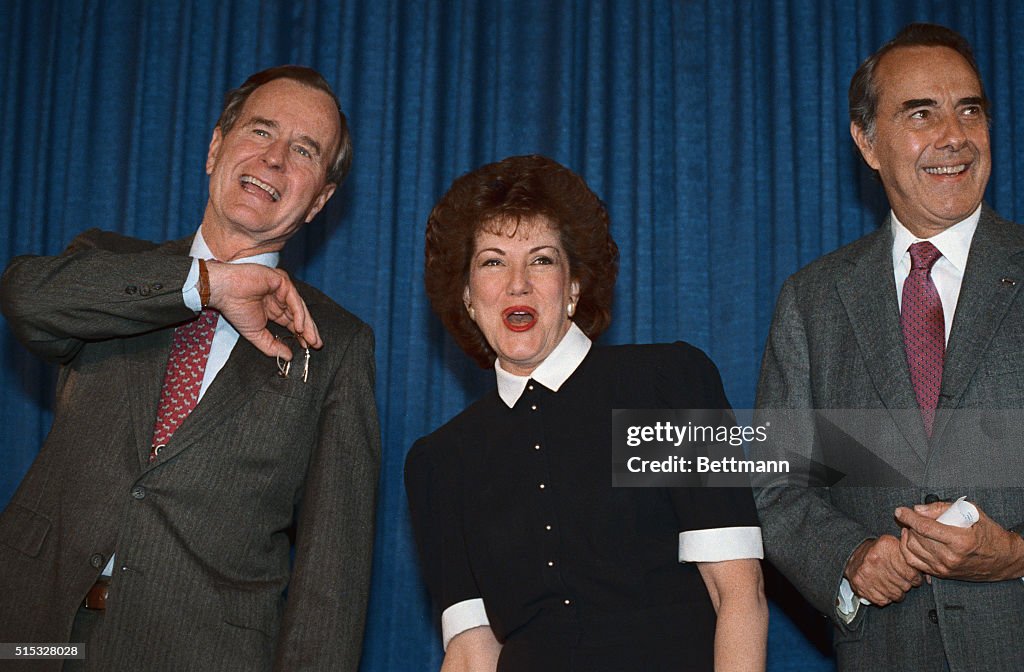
(519,318)
(946,170)
(266,188)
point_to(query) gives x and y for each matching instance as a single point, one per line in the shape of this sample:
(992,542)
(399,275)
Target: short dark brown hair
(863,93)
(513,191)
(235,99)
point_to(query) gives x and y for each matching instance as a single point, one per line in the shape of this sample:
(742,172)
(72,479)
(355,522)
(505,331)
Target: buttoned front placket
(535,400)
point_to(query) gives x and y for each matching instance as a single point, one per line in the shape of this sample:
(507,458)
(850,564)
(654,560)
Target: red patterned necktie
(184,376)
(924,330)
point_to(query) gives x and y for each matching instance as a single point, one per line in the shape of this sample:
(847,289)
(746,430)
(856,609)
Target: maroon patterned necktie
(184,376)
(924,330)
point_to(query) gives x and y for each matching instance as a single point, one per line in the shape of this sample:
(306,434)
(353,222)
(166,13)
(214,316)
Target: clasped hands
(883,570)
(250,295)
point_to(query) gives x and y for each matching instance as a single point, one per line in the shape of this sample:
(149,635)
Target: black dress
(516,506)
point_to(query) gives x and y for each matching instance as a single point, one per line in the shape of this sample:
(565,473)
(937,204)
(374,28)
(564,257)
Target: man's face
(268,174)
(930,145)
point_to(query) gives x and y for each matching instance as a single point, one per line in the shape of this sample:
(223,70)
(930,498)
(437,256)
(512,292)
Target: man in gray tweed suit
(915,326)
(158,535)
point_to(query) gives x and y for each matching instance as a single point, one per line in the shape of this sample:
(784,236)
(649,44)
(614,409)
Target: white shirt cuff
(190,290)
(462,616)
(847,604)
(718,544)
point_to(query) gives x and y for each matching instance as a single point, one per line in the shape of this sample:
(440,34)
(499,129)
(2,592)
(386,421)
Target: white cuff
(190,290)
(723,543)
(462,616)
(847,604)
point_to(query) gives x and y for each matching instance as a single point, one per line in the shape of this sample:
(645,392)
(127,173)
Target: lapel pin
(1008,281)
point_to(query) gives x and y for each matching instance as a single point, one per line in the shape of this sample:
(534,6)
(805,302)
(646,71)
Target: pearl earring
(571,309)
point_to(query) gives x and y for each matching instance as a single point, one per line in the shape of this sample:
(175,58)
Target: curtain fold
(716,132)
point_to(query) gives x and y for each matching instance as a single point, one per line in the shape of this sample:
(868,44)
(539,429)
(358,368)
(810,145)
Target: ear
(320,201)
(864,144)
(574,291)
(465,297)
(214,150)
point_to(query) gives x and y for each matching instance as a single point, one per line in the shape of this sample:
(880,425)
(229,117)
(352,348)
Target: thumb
(265,342)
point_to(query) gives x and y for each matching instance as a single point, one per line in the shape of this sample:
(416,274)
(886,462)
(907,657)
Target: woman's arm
(474,650)
(736,588)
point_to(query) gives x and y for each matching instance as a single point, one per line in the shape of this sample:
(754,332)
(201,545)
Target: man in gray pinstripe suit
(904,591)
(176,556)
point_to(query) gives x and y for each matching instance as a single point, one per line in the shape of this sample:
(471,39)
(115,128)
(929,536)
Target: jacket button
(157,286)
(96,560)
(139,492)
(144,290)
(131,289)
(931,498)
(933,616)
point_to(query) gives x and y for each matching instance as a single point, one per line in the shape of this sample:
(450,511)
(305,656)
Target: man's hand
(878,572)
(983,552)
(250,295)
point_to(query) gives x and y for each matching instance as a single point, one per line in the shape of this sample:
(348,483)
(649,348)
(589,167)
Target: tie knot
(923,256)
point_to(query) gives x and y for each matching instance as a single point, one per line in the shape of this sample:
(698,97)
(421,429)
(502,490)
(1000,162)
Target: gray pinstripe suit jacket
(836,343)
(201,537)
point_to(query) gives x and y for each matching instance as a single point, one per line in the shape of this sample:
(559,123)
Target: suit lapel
(869,296)
(246,371)
(147,362)
(146,365)
(995,256)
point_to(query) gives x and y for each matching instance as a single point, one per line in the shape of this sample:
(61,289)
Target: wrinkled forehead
(914,72)
(297,106)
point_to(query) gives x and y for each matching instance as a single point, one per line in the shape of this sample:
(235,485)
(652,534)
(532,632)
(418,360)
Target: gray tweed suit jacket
(835,343)
(202,536)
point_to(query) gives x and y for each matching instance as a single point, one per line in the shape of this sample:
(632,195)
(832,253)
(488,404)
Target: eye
(491,261)
(543,260)
(973,111)
(261,132)
(302,151)
(920,114)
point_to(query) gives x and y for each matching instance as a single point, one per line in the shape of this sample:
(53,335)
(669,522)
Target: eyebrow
(931,102)
(532,251)
(918,102)
(303,138)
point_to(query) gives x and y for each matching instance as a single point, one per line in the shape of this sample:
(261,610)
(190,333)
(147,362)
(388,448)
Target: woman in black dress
(535,561)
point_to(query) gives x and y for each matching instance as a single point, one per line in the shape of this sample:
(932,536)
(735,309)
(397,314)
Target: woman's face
(519,291)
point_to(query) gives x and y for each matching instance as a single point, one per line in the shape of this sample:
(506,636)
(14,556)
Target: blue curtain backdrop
(715,131)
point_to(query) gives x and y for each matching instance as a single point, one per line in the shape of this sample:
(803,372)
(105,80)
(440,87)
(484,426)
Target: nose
(519,281)
(952,133)
(275,154)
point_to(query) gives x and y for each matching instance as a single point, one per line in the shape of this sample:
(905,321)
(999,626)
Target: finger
(933,510)
(265,342)
(302,323)
(926,527)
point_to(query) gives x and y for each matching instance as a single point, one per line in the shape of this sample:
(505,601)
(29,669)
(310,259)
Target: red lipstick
(519,318)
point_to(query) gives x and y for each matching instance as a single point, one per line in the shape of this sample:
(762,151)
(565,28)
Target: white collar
(200,250)
(552,372)
(954,243)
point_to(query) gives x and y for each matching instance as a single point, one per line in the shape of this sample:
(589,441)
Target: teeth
(262,185)
(946,170)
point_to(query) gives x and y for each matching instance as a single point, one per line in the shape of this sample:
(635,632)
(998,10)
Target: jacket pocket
(251,610)
(23,529)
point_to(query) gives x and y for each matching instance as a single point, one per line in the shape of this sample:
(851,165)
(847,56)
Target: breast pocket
(23,529)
